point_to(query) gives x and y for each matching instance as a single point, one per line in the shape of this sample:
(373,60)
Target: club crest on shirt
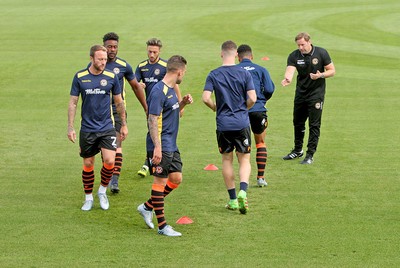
(157,71)
(116,70)
(103,82)
(314,61)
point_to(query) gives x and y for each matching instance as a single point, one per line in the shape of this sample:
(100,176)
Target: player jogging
(258,113)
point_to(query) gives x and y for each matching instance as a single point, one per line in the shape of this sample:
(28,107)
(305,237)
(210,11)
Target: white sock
(89,197)
(102,189)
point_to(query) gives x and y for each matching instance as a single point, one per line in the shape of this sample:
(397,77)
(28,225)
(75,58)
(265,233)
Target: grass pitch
(342,211)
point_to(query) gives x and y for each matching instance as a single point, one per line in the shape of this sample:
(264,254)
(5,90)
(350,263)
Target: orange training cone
(184,220)
(265,58)
(210,167)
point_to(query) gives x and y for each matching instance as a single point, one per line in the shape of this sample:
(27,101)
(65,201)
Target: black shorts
(91,143)
(170,162)
(118,121)
(258,122)
(230,140)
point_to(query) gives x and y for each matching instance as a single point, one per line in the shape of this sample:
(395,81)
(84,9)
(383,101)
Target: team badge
(103,82)
(264,122)
(246,142)
(157,71)
(116,70)
(318,105)
(315,61)
(159,170)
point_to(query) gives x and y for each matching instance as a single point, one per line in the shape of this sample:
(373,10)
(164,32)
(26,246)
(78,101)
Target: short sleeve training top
(305,64)
(151,74)
(263,84)
(122,69)
(230,84)
(96,92)
(164,103)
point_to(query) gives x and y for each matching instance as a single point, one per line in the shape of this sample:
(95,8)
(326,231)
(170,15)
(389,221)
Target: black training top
(305,64)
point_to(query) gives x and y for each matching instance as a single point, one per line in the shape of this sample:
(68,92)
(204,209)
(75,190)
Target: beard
(99,67)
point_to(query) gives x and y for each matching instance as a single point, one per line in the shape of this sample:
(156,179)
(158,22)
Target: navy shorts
(170,162)
(91,143)
(230,140)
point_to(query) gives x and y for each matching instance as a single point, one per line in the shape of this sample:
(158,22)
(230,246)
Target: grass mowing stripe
(341,211)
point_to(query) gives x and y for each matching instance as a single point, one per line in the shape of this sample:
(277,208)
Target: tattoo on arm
(121,112)
(73,102)
(153,129)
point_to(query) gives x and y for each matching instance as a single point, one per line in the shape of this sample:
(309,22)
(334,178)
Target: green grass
(343,211)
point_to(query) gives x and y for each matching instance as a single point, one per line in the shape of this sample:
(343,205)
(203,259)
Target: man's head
(228,49)
(110,41)
(303,41)
(244,52)
(153,49)
(177,65)
(98,57)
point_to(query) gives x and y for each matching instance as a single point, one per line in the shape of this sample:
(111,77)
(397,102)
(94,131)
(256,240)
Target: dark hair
(154,42)
(176,63)
(244,50)
(228,45)
(95,48)
(304,35)
(110,36)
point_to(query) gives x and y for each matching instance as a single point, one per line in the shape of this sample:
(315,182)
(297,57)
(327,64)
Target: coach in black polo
(313,65)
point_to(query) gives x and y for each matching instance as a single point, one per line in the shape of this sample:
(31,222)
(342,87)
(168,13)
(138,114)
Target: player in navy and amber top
(95,90)
(149,72)
(162,151)
(124,72)
(313,65)
(234,95)
(97,87)
(258,113)
(168,113)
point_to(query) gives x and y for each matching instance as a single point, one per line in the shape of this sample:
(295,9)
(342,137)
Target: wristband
(322,75)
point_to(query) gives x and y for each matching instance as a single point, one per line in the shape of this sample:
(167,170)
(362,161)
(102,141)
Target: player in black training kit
(313,65)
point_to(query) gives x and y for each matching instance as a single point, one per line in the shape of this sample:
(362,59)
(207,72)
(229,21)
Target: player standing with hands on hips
(313,65)
(97,133)
(162,151)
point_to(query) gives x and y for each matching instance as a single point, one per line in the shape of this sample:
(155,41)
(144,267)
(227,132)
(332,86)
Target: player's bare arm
(153,131)
(187,99)
(251,98)
(178,92)
(179,95)
(329,72)
(138,89)
(208,101)
(120,107)
(73,102)
(288,75)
